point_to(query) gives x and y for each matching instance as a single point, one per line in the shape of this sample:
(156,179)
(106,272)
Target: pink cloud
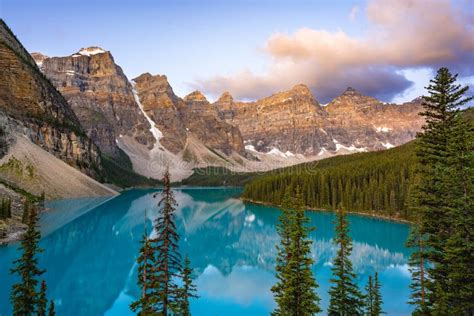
(402,34)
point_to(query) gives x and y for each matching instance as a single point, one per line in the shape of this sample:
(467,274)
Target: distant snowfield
(89,51)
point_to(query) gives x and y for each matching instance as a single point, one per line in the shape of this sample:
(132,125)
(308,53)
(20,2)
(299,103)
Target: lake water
(91,244)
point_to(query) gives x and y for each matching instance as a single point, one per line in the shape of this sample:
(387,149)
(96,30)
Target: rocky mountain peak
(158,83)
(302,90)
(195,96)
(39,58)
(226,97)
(89,51)
(350,91)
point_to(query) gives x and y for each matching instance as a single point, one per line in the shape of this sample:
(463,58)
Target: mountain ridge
(282,129)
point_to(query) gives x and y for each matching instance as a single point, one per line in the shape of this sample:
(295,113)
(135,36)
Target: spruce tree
(418,269)
(441,171)
(345,296)
(51,311)
(168,259)
(377,297)
(295,290)
(281,288)
(42,300)
(459,253)
(369,297)
(306,301)
(146,278)
(24,296)
(187,291)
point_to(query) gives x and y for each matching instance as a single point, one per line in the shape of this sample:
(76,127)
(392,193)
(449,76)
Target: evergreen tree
(42,300)
(459,251)
(24,297)
(187,291)
(51,311)
(280,289)
(442,171)
(346,298)
(418,269)
(369,297)
(295,291)
(146,278)
(168,259)
(306,300)
(377,297)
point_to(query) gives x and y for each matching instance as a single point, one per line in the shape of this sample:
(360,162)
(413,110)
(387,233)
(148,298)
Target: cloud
(402,34)
(354,12)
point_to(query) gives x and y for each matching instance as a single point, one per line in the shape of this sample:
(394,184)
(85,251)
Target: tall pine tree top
(168,258)
(445,172)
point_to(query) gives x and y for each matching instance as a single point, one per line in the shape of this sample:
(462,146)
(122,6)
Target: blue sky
(211,44)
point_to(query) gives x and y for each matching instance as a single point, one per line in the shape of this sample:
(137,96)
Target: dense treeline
(377,182)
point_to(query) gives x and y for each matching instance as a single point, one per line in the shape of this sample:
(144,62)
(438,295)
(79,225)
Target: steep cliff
(31,106)
(100,95)
(293,122)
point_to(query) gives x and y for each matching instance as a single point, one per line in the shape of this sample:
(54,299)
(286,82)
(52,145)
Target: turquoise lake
(91,245)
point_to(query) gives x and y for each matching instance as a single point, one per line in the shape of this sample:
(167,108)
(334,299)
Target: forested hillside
(375,182)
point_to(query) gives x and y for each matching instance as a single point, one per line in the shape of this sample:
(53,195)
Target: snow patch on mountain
(388,145)
(276,152)
(382,129)
(89,51)
(353,148)
(157,134)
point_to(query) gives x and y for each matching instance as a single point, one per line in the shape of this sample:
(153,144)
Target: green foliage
(24,296)
(42,300)
(295,290)
(217,176)
(445,198)
(418,269)
(27,195)
(168,259)
(146,278)
(119,171)
(376,182)
(159,264)
(13,165)
(187,291)
(373,298)
(346,298)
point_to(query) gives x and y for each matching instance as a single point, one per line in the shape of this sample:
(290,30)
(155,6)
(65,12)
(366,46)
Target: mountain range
(84,110)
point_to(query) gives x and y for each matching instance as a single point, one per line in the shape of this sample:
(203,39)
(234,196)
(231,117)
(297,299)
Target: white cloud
(354,12)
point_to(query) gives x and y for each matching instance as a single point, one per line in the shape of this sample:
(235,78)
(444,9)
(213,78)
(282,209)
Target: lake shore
(367,214)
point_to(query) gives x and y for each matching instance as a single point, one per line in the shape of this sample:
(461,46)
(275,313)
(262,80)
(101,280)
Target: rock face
(156,128)
(100,95)
(294,122)
(163,107)
(178,119)
(355,119)
(287,121)
(31,106)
